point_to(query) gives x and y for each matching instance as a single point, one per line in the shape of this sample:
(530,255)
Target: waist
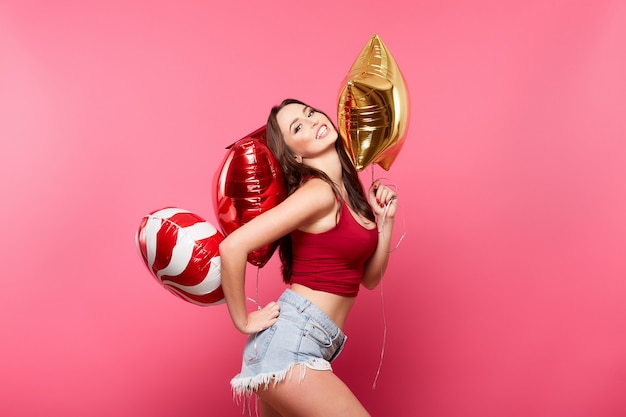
(336,307)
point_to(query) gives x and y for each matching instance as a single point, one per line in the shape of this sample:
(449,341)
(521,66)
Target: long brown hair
(297,173)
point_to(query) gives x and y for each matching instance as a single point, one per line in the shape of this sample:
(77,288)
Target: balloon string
(394,201)
(256,299)
(382,350)
(382,295)
(386,209)
(258,306)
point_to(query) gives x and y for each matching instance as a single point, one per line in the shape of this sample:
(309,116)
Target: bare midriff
(335,306)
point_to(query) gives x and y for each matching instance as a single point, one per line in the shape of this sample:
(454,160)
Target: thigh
(267,410)
(319,393)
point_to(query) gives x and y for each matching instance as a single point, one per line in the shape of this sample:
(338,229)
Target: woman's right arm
(311,202)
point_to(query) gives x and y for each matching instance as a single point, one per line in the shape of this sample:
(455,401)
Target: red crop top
(333,261)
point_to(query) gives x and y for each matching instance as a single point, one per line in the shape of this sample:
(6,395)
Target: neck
(330,164)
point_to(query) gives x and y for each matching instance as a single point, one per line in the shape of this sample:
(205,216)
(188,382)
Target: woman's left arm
(384,202)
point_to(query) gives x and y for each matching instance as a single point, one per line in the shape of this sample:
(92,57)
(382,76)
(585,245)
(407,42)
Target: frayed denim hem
(247,386)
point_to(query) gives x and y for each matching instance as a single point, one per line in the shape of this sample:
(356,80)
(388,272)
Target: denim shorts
(303,334)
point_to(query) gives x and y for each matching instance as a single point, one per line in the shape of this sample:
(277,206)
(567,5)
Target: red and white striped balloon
(181,250)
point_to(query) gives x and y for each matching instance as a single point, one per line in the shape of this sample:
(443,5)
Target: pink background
(507,296)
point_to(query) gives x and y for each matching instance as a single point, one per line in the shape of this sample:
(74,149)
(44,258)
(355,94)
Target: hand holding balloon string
(384,201)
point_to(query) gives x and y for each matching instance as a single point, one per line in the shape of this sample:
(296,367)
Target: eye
(310,113)
(297,128)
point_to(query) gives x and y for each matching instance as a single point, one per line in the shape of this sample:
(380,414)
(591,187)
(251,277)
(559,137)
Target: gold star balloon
(373,107)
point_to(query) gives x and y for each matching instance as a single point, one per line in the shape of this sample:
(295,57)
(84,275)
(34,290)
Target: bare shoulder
(316,203)
(317,194)
(311,202)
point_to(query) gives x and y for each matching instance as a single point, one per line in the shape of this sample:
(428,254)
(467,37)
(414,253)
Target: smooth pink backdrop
(507,296)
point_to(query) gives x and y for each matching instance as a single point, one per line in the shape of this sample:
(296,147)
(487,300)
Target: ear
(298,159)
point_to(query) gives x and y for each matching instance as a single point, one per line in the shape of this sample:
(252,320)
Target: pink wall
(505,299)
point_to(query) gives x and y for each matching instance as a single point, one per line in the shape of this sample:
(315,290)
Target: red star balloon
(249,182)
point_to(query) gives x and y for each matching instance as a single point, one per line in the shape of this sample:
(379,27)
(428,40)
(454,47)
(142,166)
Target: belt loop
(304,306)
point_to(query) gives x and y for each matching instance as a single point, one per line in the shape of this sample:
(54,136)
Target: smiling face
(306,131)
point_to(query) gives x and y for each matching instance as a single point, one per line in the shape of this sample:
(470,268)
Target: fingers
(262,319)
(273,309)
(382,194)
(271,313)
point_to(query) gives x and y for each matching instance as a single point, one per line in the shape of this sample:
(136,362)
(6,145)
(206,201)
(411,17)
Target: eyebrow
(296,119)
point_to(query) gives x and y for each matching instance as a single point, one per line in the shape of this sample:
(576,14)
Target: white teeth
(321,131)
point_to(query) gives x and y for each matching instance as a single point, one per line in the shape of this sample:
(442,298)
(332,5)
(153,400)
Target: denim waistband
(303,305)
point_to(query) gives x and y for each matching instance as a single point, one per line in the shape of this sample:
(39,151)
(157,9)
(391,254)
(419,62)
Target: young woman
(333,238)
